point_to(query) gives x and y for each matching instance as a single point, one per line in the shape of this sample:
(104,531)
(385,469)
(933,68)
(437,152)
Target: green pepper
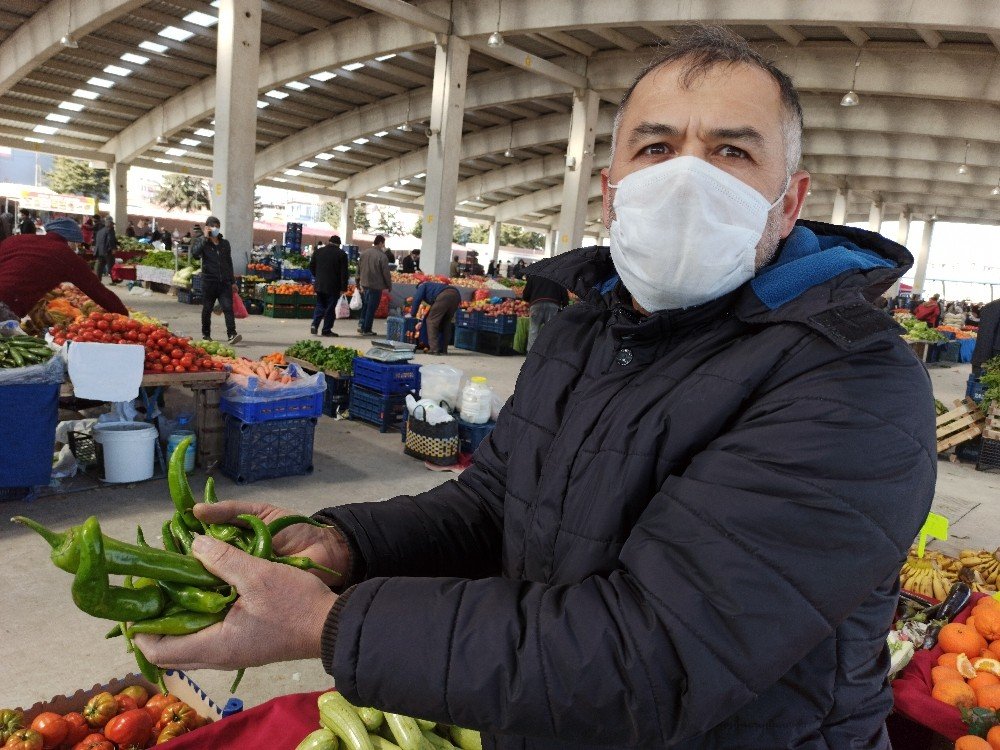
(224,532)
(280,524)
(92,591)
(190,597)
(181,623)
(169,543)
(125,559)
(262,537)
(181,532)
(180,489)
(304,563)
(236,681)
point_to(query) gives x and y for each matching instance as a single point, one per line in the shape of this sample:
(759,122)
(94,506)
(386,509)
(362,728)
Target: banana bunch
(924,576)
(974,580)
(21,351)
(985,563)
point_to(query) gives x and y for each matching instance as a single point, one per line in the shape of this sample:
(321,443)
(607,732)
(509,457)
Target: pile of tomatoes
(165,352)
(130,720)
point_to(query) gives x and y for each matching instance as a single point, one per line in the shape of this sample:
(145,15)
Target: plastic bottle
(477,398)
(183,431)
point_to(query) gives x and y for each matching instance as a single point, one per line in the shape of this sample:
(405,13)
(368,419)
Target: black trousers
(214,290)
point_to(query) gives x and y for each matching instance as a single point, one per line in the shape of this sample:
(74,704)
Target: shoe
(234,339)
(206,338)
(313,330)
(331,333)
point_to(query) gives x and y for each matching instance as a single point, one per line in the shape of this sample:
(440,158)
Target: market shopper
(25,224)
(410,262)
(379,243)
(33,265)
(545,298)
(988,337)
(329,269)
(444,300)
(687,526)
(929,311)
(218,279)
(374,277)
(105,244)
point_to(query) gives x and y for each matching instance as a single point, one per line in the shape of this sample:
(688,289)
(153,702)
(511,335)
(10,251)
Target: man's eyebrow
(744,133)
(645,129)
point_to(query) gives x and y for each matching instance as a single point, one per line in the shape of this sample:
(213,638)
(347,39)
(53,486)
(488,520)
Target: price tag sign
(935,526)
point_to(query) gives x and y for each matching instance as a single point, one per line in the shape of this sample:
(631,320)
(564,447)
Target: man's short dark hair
(24,211)
(335,239)
(416,252)
(705,47)
(379,239)
(213,221)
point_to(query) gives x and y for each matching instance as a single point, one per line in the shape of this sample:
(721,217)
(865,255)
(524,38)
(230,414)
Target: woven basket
(435,443)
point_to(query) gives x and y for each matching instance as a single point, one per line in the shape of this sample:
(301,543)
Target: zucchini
(341,718)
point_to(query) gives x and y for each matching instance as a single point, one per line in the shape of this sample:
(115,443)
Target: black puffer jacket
(685,531)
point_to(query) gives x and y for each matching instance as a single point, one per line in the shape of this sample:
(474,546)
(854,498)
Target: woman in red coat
(929,311)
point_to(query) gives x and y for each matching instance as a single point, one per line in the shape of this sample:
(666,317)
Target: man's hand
(278,616)
(323,545)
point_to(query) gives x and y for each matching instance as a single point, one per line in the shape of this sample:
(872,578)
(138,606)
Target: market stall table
(208,419)
(122,273)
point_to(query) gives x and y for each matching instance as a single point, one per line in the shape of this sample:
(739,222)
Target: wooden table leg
(209,427)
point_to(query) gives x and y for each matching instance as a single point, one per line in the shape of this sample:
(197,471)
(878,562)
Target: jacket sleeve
(421,293)
(197,247)
(529,290)
(386,273)
(345,273)
(77,272)
(737,569)
(226,261)
(312,263)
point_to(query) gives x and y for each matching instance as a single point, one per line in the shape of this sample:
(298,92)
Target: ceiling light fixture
(963,168)
(996,190)
(509,153)
(68,40)
(851,99)
(496,38)
(161,140)
(406,127)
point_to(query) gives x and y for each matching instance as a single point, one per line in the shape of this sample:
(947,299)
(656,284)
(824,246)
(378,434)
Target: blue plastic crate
(267,450)
(497,344)
(471,435)
(386,377)
(28,415)
(467,319)
(382,410)
(188,298)
(266,411)
(952,352)
(502,324)
(466,338)
(297,274)
(337,397)
(974,389)
(398,328)
(198,283)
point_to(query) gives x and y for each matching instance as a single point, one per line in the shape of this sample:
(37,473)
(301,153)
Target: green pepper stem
(54,538)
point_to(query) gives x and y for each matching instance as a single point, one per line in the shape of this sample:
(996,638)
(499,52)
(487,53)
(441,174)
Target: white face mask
(685,233)
(215,231)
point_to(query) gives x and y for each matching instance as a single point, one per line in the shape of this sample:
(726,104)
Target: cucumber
(467,739)
(321,739)
(406,732)
(380,743)
(341,718)
(437,741)
(371,717)
(425,724)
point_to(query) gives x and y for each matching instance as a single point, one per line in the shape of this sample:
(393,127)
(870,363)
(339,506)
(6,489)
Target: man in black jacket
(988,338)
(105,244)
(329,270)
(219,281)
(686,528)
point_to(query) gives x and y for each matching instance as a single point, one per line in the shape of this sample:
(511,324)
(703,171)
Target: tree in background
(480,234)
(388,222)
(361,222)
(418,228)
(331,214)
(75,177)
(516,236)
(258,207)
(186,193)
(460,234)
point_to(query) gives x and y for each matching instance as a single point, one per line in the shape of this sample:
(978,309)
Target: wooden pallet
(991,430)
(963,423)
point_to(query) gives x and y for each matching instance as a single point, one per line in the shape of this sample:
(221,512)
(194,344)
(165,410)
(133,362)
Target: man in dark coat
(410,262)
(219,280)
(329,270)
(686,528)
(988,337)
(105,244)
(25,223)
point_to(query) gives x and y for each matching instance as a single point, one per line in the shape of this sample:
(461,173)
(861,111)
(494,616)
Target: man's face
(731,117)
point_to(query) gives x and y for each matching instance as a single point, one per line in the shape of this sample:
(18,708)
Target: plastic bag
(249,389)
(356,300)
(53,371)
(343,307)
(239,309)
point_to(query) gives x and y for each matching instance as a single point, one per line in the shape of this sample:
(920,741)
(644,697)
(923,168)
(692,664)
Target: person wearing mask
(33,265)
(453,269)
(374,277)
(411,262)
(929,311)
(444,300)
(519,268)
(26,224)
(218,279)
(686,527)
(329,269)
(105,244)
(545,298)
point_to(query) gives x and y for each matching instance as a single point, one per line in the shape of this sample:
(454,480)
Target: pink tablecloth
(122,273)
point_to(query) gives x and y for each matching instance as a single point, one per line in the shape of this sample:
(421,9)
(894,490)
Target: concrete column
(119,196)
(443,154)
(925,250)
(839,215)
(494,241)
(875,216)
(346,228)
(579,165)
(550,243)
(902,235)
(237,58)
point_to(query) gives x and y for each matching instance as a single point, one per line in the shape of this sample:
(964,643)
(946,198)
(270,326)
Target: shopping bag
(436,444)
(239,309)
(356,300)
(343,307)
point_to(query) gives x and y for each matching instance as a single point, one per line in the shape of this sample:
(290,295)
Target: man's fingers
(175,652)
(227,510)
(229,563)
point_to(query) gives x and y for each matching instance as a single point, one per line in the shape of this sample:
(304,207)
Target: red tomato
(103,325)
(125,703)
(52,727)
(168,368)
(176,353)
(180,368)
(156,367)
(132,336)
(155,705)
(173,340)
(60,340)
(194,368)
(164,359)
(25,739)
(131,727)
(187,360)
(78,728)
(142,338)
(171,730)
(94,316)
(95,741)
(100,709)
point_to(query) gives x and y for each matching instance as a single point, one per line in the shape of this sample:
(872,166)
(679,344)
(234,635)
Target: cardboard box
(177,683)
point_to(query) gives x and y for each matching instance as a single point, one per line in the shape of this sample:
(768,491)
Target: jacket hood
(818,268)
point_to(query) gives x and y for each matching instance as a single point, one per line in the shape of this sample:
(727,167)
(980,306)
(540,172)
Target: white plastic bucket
(128,450)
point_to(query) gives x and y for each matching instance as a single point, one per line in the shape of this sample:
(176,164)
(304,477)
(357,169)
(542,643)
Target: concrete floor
(51,648)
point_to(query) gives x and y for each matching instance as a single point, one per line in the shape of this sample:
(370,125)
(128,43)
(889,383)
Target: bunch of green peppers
(165,592)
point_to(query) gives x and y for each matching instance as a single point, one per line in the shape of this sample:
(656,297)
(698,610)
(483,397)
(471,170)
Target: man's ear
(794,200)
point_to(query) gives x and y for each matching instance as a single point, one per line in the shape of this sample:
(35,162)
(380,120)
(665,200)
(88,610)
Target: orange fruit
(971,622)
(993,737)
(982,679)
(940,674)
(960,639)
(964,666)
(987,697)
(988,623)
(948,660)
(987,665)
(971,742)
(957,693)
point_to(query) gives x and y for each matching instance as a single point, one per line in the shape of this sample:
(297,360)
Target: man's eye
(657,149)
(734,152)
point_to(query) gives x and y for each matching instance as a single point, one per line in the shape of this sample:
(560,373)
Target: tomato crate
(305,311)
(337,397)
(385,411)
(467,338)
(502,324)
(280,311)
(398,328)
(265,411)
(467,319)
(267,450)
(497,344)
(272,298)
(387,378)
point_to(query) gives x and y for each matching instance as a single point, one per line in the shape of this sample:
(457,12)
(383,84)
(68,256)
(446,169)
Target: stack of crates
(378,391)
(398,328)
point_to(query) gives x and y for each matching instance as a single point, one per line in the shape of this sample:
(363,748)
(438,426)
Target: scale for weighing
(384,350)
